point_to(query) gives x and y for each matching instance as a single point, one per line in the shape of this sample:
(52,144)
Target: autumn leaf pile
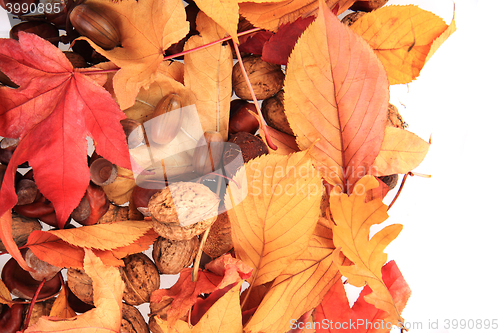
(301,225)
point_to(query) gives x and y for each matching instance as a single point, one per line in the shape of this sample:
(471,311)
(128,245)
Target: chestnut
(368,5)
(27,191)
(7,147)
(141,196)
(11,317)
(41,28)
(98,204)
(43,270)
(21,284)
(241,119)
(40,207)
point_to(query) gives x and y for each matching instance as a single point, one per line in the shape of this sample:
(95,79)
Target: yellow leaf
(401,151)
(208,75)
(401,36)
(147,28)
(5,297)
(61,307)
(224,316)
(223,12)
(441,39)
(106,317)
(271,226)
(301,286)
(336,99)
(105,236)
(271,15)
(120,191)
(352,219)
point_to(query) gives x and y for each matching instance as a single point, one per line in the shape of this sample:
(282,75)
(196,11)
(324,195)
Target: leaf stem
(104,71)
(33,301)
(399,190)
(254,98)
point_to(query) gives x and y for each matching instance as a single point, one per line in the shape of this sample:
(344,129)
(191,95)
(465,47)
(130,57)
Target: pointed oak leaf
(335,306)
(52,112)
(207,73)
(336,90)
(272,15)
(352,218)
(401,152)
(106,317)
(147,28)
(272,224)
(184,293)
(280,45)
(301,286)
(61,307)
(402,37)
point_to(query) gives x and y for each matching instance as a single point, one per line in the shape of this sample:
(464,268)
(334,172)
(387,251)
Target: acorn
(91,22)
(167,120)
(208,153)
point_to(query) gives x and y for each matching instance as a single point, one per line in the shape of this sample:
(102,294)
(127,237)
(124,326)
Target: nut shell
(80,285)
(22,227)
(266,78)
(273,111)
(132,320)
(141,278)
(219,238)
(183,210)
(171,256)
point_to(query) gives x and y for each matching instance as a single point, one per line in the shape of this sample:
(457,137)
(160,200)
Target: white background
(448,249)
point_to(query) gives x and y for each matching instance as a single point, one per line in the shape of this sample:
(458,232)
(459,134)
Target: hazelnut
(171,256)
(266,78)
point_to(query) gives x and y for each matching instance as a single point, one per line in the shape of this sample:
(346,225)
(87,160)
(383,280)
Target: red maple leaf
(52,112)
(335,314)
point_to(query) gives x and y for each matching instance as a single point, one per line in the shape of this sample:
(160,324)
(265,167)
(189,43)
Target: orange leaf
(5,297)
(61,307)
(106,317)
(301,286)
(8,241)
(50,248)
(402,37)
(366,318)
(105,236)
(179,299)
(224,316)
(271,15)
(352,219)
(147,28)
(401,151)
(207,73)
(285,142)
(336,91)
(272,224)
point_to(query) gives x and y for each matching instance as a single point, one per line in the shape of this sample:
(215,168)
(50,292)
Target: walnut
(141,278)
(266,78)
(273,111)
(183,210)
(219,238)
(81,285)
(132,320)
(171,256)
